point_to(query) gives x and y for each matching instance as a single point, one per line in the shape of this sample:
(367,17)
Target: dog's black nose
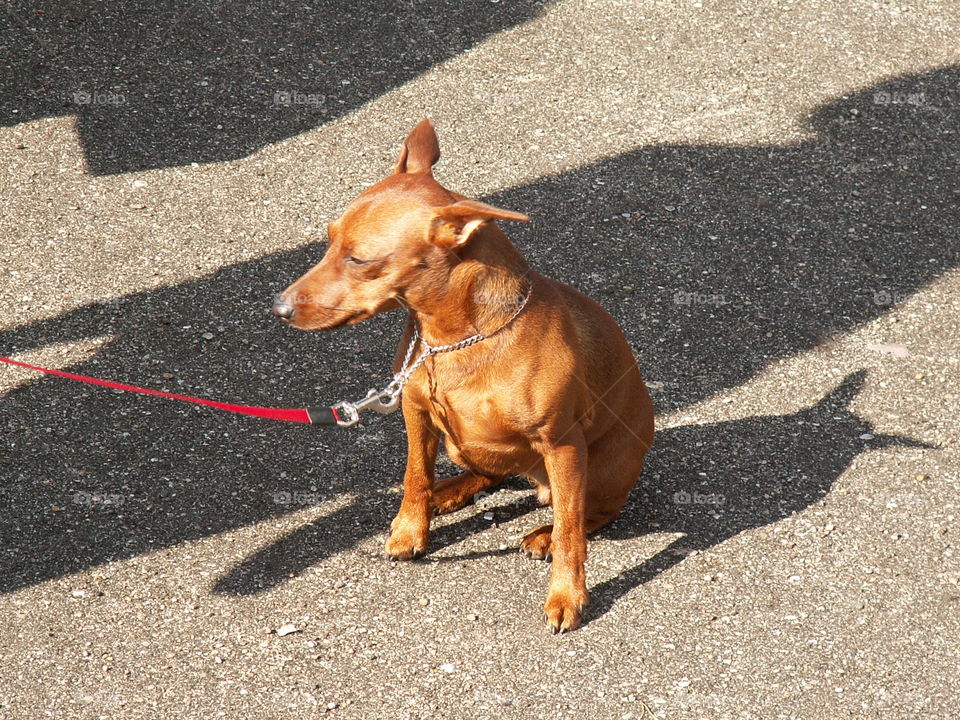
(282,309)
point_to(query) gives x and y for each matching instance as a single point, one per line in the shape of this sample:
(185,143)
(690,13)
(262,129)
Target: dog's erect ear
(420,150)
(453,225)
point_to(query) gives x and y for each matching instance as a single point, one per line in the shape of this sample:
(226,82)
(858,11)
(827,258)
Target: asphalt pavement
(763,194)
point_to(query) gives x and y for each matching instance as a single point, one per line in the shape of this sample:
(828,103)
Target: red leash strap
(313,416)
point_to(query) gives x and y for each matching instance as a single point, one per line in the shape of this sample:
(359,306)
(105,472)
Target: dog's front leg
(410,529)
(566,464)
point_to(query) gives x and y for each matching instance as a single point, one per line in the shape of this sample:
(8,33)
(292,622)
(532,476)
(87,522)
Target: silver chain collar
(387,400)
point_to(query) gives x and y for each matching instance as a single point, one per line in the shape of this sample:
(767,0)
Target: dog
(526,376)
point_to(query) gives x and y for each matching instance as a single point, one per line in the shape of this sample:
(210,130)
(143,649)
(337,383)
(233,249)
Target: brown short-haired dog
(550,392)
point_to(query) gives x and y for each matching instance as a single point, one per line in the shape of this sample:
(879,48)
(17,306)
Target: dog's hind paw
(538,544)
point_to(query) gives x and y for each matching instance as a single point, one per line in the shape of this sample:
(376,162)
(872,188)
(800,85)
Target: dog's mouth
(320,323)
(351,319)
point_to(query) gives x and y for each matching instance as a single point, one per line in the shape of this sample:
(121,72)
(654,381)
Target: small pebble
(287,629)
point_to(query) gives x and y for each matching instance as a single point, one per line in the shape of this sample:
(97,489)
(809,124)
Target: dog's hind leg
(614,464)
(457,492)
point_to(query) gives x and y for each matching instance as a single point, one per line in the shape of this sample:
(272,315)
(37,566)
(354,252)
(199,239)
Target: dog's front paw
(563,610)
(407,539)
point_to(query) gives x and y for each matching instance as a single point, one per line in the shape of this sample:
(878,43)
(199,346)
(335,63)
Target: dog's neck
(482,290)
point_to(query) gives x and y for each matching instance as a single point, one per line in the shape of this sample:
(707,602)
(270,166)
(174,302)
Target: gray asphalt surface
(764,194)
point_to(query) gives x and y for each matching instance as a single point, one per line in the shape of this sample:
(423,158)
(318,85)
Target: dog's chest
(469,414)
(478,427)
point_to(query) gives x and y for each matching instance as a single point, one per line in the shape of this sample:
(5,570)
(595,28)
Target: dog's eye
(351,260)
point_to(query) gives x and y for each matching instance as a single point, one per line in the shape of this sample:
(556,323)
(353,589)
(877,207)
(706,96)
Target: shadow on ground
(716,261)
(164,84)
(758,470)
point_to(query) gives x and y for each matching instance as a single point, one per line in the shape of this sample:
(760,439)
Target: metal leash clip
(350,411)
(387,400)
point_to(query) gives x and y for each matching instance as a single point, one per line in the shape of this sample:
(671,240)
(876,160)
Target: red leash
(312,416)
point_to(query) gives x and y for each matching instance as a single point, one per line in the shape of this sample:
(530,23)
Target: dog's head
(395,244)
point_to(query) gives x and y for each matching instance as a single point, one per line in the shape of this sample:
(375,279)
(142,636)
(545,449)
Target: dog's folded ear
(420,150)
(453,225)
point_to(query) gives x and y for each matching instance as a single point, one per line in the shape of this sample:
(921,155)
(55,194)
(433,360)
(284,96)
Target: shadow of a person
(787,271)
(715,259)
(167,84)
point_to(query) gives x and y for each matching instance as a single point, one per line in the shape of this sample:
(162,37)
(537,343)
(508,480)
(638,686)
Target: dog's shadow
(711,482)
